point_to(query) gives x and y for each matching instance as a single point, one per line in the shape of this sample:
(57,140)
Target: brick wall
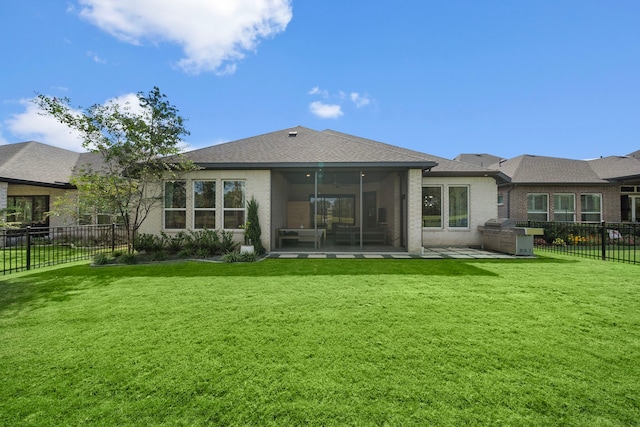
(257,184)
(515,200)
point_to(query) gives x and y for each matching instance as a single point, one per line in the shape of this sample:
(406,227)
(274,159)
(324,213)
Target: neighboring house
(555,189)
(33,175)
(326,190)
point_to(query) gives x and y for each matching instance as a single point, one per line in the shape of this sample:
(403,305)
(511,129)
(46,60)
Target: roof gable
(300,146)
(529,169)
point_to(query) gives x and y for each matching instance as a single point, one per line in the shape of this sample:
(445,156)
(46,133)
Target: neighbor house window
(458,207)
(432,206)
(564,207)
(234,204)
(538,207)
(28,210)
(204,204)
(175,204)
(591,207)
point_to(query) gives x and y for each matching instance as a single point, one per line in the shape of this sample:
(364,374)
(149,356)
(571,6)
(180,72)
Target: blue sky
(548,77)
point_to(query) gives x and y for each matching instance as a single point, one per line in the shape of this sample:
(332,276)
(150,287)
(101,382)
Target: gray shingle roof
(528,169)
(616,167)
(37,163)
(299,146)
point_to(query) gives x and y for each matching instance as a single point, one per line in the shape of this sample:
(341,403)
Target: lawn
(547,341)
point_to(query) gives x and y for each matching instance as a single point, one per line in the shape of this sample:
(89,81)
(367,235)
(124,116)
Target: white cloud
(331,111)
(325,111)
(317,91)
(359,100)
(31,125)
(214,35)
(96,58)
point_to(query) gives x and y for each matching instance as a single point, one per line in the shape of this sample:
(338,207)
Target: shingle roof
(300,146)
(480,159)
(35,162)
(616,167)
(528,169)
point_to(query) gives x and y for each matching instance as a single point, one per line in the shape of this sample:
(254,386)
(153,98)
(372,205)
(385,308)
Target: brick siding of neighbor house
(515,200)
(3,195)
(482,207)
(414,208)
(257,184)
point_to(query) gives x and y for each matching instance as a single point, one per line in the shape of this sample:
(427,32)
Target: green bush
(102,259)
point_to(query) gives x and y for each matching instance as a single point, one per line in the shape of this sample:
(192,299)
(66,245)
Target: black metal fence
(606,241)
(27,248)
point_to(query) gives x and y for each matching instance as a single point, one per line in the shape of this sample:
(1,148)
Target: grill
(502,235)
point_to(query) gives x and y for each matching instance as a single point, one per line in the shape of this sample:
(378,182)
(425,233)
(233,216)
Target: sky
(554,78)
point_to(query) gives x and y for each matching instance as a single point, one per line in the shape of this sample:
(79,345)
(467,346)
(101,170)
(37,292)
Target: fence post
(113,237)
(603,238)
(28,248)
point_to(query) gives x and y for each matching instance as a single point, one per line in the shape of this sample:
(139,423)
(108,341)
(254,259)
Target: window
(204,204)
(564,207)
(234,204)
(458,207)
(538,207)
(500,199)
(175,204)
(591,207)
(29,210)
(432,206)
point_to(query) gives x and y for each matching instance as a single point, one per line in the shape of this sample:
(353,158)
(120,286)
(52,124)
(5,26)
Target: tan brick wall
(3,195)
(515,200)
(55,220)
(257,184)
(482,207)
(414,211)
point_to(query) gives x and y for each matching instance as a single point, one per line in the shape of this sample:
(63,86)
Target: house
(33,175)
(555,189)
(326,190)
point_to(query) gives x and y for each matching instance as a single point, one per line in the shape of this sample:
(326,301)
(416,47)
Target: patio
(428,253)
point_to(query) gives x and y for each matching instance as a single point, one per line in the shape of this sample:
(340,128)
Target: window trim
(556,211)
(174,209)
(546,212)
(583,212)
(468,208)
(438,227)
(208,209)
(243,209)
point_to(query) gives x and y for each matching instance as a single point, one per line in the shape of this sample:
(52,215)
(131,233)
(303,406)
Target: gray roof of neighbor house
(529,169)
(36,163)
(480,159)
(617,168)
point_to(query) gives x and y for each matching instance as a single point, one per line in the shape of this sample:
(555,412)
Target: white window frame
(424,202)
(174,208)
(226,209)
(466,224)
(584,212)
(535,211)
(559,211)
(197,209)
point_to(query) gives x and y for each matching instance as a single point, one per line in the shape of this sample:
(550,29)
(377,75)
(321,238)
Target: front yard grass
(550,341)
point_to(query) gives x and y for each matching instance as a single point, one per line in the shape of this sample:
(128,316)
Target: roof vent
(293,134)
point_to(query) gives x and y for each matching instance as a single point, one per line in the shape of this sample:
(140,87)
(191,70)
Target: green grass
(550,341)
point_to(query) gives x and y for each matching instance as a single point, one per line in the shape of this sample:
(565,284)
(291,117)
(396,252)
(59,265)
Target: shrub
(102,259)
(127,259)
